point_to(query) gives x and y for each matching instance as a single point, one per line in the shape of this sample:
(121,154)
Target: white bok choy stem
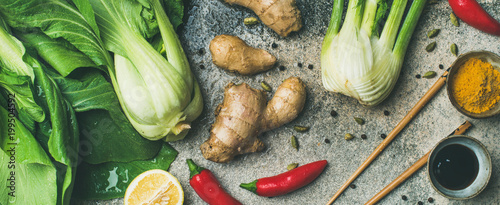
(358,63)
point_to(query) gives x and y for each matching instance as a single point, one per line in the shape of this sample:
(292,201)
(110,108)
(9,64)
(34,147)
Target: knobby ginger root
(282,16)
(243,115)
(233,54)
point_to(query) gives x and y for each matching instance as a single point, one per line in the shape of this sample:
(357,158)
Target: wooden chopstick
(413,168)
(411,114)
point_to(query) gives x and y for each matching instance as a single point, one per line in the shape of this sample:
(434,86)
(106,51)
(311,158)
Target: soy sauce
(455,166)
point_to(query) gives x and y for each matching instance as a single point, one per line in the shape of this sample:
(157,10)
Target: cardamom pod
(301,128)
(433,33)
(266,86)
(348,136)
(454,19)
(360,121)
(294,142)
(292,166)
(429,74)
(454,49)
(432,2)
(250,21)
(430,47)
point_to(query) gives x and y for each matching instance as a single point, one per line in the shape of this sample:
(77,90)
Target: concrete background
(206,19)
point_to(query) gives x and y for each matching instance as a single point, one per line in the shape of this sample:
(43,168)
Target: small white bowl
(484,168)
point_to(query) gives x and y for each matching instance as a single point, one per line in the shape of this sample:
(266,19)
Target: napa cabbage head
(158,93)
(358,62)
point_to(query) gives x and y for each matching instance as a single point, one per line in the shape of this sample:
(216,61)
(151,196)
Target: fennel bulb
(159,95)
(358,63)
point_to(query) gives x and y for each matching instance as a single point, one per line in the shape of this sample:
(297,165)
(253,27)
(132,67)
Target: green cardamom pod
(301,128)
(360,121)
(430,47)
(266,86)
(454,20)
(433,33)
(432,2)
(292,166)
(294,142)
(348,136)
(454,49)
(250,21)
(429,74)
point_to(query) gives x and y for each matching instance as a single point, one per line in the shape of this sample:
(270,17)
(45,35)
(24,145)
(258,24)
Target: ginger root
(243,115)
(233,54)
(282,16)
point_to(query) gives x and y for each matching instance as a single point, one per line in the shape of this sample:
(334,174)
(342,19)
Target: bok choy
(355,60)
(159,95)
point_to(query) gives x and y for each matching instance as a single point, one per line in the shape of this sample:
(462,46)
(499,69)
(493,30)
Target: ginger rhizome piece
(233,54)
(244,115)
(282,16)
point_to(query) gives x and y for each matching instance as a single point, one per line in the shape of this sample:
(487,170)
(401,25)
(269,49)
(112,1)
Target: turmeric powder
(476,86)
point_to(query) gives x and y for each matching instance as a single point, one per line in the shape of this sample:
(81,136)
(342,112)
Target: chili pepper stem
(193,168)
(252,186)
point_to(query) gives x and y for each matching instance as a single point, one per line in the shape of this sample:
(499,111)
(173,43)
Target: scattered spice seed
(292,166)
(432,2)
(301,128)
(250,21)
(202,67)
(282,68)
(310,66)
(363,136)
(404,197)
(333,113)
(454,20)
(294,142)
(420,203)
(417,76)
(348,136)
(441,66)
(353,186)
(360,121)
(383,136)
(429,74)
(274,45)
(430,47)
(266,86)
(386,113)
(327,141)
(454,49)
(430,200)
(299,64)
(433,33)
(201,51)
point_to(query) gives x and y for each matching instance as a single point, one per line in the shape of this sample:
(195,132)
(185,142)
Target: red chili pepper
(286,182)
(208,187)
(473,14)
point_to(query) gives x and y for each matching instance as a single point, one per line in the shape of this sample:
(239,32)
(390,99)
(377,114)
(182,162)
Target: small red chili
(208,187)
(473,14)
(286,182)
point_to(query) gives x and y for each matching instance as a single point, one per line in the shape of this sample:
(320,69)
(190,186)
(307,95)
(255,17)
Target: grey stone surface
(206,19)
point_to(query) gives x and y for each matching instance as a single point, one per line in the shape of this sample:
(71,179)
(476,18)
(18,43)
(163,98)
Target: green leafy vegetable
(356,61)
(159,95)
(105,133)
(29,173)
(110,180)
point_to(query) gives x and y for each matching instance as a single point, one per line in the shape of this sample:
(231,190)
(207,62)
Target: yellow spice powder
(476,86)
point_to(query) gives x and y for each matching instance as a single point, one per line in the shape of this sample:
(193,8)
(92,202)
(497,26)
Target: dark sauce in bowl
(455,167)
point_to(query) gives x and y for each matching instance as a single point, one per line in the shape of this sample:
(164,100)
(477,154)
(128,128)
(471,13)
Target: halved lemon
(156,187)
